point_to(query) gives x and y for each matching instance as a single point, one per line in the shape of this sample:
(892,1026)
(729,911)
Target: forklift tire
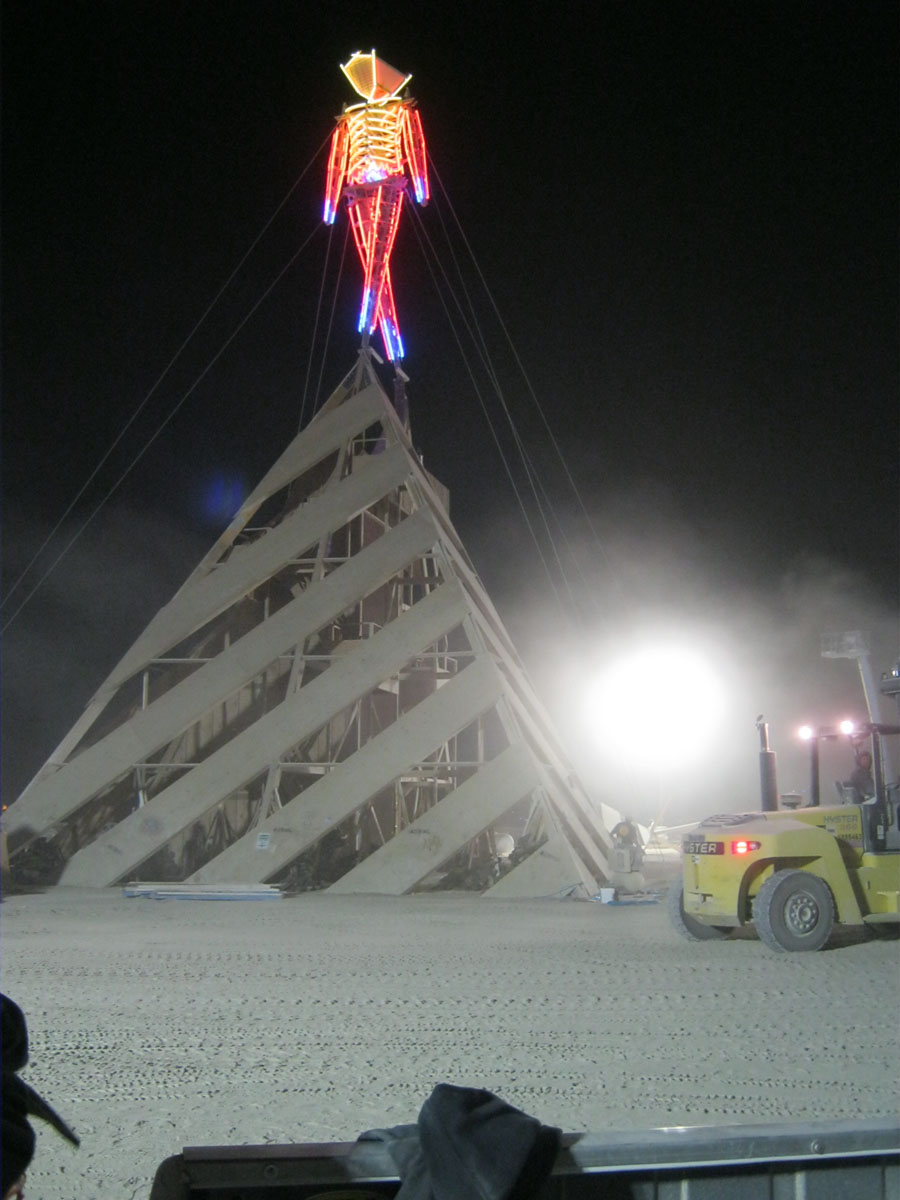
(794,910)
(687,926)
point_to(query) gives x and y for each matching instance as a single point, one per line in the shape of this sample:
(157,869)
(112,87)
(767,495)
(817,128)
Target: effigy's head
(373,78)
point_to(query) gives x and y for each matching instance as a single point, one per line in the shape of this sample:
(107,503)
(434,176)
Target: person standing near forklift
(626,837)
(861,775)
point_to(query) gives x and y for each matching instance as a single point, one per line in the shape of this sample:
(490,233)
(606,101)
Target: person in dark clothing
(626,832)
(626,836)
(18,1102)
(861,775)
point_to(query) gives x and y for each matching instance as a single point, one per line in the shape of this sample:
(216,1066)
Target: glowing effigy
(375,145)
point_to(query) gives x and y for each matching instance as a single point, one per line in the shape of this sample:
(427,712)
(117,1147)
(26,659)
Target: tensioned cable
(596,539)
(530,468)
(530,471)
(422,237)
(161,377)
(534,475)
(485,353)
(161,427)
(334,299)
(316,324)
(530,388)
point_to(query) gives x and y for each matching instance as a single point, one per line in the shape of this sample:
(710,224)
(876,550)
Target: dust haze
(662,580)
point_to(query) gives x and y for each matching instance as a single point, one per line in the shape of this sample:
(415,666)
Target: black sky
(687,217)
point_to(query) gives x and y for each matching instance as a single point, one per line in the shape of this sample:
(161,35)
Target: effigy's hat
(19,1100)
(373,78)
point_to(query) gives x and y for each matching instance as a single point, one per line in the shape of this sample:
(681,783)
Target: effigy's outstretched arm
(337,170)
(414,152)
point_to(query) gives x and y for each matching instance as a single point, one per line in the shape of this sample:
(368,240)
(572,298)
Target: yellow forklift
(796,872)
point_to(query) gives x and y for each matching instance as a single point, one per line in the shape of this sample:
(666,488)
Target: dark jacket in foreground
(468,1144)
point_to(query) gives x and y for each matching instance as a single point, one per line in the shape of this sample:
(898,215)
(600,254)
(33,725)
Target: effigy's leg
(385,226)
(375,218)
(363,215)
(387,320)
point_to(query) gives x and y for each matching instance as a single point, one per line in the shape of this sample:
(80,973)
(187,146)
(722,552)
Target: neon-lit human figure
(374,146)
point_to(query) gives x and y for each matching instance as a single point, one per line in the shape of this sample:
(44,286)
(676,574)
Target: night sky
(686,217)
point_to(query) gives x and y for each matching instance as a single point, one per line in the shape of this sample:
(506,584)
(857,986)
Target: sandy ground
(159,1024)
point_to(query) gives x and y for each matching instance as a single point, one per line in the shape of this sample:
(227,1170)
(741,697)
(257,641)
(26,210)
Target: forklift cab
(881,812)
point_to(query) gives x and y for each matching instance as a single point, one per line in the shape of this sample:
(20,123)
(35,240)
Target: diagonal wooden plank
(553,870)
(114,854)
(310,446)
(373,767)
(251,565)
(319,439)
(58,796)
(398,865)
(332,431)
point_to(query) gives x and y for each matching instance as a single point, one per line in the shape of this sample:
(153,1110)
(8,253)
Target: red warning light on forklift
(744,847)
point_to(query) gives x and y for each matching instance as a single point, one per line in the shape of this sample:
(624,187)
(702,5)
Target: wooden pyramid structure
(330,701)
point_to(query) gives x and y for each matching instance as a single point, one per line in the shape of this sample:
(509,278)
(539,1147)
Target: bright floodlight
(847,726)
(657,709)
(806,732)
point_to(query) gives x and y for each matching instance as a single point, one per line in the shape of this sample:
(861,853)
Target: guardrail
(818,1161)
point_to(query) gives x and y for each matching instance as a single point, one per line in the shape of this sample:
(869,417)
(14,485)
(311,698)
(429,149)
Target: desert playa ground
(159,1024)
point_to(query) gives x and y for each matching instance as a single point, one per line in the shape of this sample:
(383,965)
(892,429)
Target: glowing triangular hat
(372,77)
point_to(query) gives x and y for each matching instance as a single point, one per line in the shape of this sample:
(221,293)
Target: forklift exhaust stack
(768,774)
